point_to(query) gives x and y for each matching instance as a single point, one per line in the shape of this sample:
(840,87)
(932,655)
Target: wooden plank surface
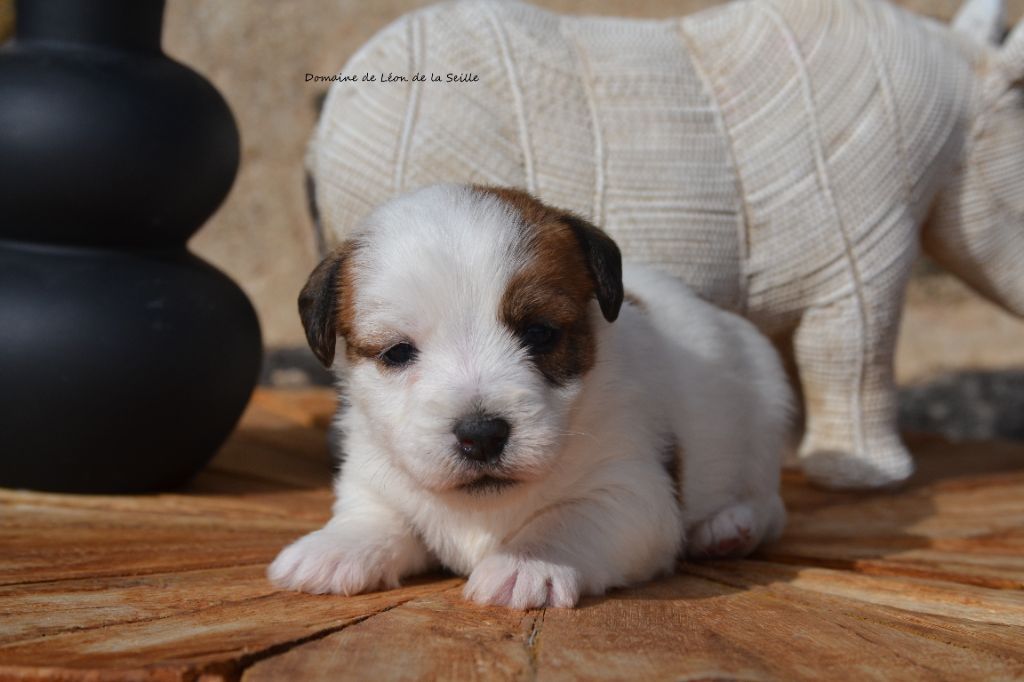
(927,582)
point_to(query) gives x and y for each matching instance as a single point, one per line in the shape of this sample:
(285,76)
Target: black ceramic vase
(125,360)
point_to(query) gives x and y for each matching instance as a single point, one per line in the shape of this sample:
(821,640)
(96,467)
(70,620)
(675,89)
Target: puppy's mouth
(487,485)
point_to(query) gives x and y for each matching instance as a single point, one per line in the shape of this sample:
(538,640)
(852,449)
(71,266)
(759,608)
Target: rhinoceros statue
(785,158)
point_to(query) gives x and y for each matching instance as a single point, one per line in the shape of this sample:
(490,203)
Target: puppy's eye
(539,338)
(399,354)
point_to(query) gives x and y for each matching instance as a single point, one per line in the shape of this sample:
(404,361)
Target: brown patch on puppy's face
(547,303)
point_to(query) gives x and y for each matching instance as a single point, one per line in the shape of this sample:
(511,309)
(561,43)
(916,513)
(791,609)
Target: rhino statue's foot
(845,470)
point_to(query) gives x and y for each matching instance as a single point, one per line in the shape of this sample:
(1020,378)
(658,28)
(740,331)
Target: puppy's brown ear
(318,304)
(604,262)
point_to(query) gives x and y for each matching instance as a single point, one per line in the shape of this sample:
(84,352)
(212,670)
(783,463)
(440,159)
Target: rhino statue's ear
(1011,54)
(981,20)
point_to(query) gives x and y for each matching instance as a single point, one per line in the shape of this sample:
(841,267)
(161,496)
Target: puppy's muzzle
(481,437)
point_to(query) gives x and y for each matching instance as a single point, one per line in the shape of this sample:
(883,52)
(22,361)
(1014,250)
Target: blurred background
(960,360)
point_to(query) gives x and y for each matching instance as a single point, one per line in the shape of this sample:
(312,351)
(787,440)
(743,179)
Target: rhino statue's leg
(844,352)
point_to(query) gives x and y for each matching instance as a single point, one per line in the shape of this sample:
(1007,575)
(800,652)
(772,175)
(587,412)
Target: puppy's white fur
(594,506)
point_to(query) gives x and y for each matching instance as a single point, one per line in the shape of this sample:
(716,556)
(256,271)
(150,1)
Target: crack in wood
(142,573)
(240,665)
(897,568)
(154,619)
(233,669)
(533,642)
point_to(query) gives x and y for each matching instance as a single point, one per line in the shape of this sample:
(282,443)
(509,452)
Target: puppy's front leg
(366,546)
(580,547)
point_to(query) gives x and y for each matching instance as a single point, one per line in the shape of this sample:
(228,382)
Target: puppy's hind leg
(737,529)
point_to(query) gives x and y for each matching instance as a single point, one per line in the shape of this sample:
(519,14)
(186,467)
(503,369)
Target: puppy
(516,416)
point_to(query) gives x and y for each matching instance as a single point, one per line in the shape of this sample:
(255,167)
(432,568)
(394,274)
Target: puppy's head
(467,317)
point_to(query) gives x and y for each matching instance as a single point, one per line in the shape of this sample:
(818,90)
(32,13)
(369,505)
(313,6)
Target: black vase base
(121,371)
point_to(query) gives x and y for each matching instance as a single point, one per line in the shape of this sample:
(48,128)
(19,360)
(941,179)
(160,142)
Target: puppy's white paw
(732,532)
(523,583)
(326,562)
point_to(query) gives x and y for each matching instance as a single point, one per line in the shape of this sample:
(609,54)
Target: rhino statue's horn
(981,20)
(1011,54)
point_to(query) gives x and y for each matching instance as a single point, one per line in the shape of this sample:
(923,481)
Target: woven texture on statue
(779,156)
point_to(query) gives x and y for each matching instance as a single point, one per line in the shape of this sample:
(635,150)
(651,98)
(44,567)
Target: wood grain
(435,637)
(923,583)
(697,626)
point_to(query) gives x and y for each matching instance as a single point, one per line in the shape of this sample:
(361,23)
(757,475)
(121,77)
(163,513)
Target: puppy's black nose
(481,438)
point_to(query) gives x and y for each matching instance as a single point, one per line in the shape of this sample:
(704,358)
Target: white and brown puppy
(500,424)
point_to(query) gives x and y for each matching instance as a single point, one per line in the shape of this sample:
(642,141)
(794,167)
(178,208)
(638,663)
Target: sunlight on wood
(925,582)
